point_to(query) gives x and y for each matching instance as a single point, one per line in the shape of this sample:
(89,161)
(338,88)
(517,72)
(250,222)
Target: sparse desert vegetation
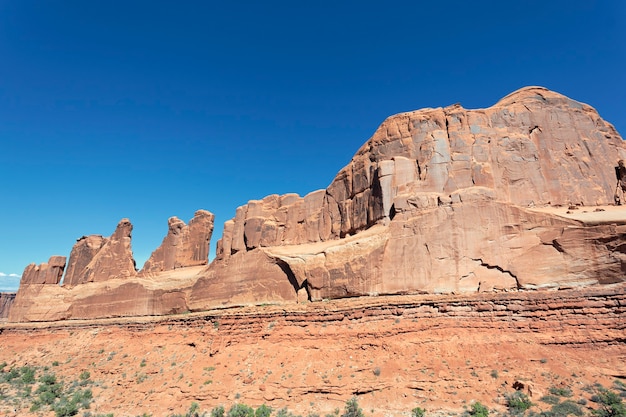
(312,362)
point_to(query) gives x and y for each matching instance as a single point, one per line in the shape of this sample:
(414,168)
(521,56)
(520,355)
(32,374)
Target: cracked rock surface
(517,196)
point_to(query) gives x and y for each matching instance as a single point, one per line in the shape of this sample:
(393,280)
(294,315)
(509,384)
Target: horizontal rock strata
(438,201)
(440,352)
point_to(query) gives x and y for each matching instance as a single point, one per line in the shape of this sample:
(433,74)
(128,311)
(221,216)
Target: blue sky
(150,109)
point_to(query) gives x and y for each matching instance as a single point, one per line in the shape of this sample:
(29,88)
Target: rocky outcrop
(513,197)
(95,258)
(6,301)
(534,147)
(45,273)
(184,245)
(83,252)
(443,200)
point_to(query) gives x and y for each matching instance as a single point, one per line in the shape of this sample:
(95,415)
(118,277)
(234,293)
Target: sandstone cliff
(46,273)
(6,301)
(513,197)
(444,200)
(101,279)
(95,258)
(184,245)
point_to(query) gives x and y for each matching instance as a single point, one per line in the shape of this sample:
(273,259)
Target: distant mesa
(438,200)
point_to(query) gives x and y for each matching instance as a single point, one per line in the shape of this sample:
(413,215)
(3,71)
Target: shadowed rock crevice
(284,266)
(500,269)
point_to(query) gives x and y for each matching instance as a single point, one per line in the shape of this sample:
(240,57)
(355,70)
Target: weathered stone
(442,200)
(6,301)
(247,278)
(184,245)
(95,258)
(83,252)
(452,188)
(46,273)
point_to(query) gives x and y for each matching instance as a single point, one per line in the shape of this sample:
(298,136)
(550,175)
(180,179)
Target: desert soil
(313,357)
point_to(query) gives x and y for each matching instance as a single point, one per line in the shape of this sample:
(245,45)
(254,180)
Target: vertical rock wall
(184,245)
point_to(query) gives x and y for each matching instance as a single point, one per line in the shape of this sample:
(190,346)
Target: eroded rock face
(184,245)
(83,252)
(95,258)
(443,200)
(247,278)
(6,301)
(452,191)
(534,147)
(276,220)
(45,273)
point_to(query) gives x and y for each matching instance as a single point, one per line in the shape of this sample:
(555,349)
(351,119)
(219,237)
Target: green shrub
(352,409)
(479,410)
(11,375)
(26,391)
(240,410)
(217,412)
(566,408)
(263,411)
(561,392)
(27,375)
(192,412)
(518,402)
(610,404)
(284,412)
(65,408)
(418,412)
(82,398)
(550,399)
(48,379)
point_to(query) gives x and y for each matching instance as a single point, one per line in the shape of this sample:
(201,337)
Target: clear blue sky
(150,109)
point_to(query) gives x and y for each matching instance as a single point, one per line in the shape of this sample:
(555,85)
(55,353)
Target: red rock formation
(83,252)
(437,201)
(46,273)
(184,245)
(534,147)
(6,301)
(452,193)
(95,258)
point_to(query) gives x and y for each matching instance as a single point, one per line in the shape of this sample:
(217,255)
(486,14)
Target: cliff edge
(517,196)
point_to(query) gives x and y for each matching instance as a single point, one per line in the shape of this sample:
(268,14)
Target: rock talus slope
(444,200)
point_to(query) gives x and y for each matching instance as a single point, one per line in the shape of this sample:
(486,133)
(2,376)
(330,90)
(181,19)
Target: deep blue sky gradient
(149,109)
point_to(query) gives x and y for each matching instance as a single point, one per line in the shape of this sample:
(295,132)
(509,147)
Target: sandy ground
(588,215)
(313,358)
